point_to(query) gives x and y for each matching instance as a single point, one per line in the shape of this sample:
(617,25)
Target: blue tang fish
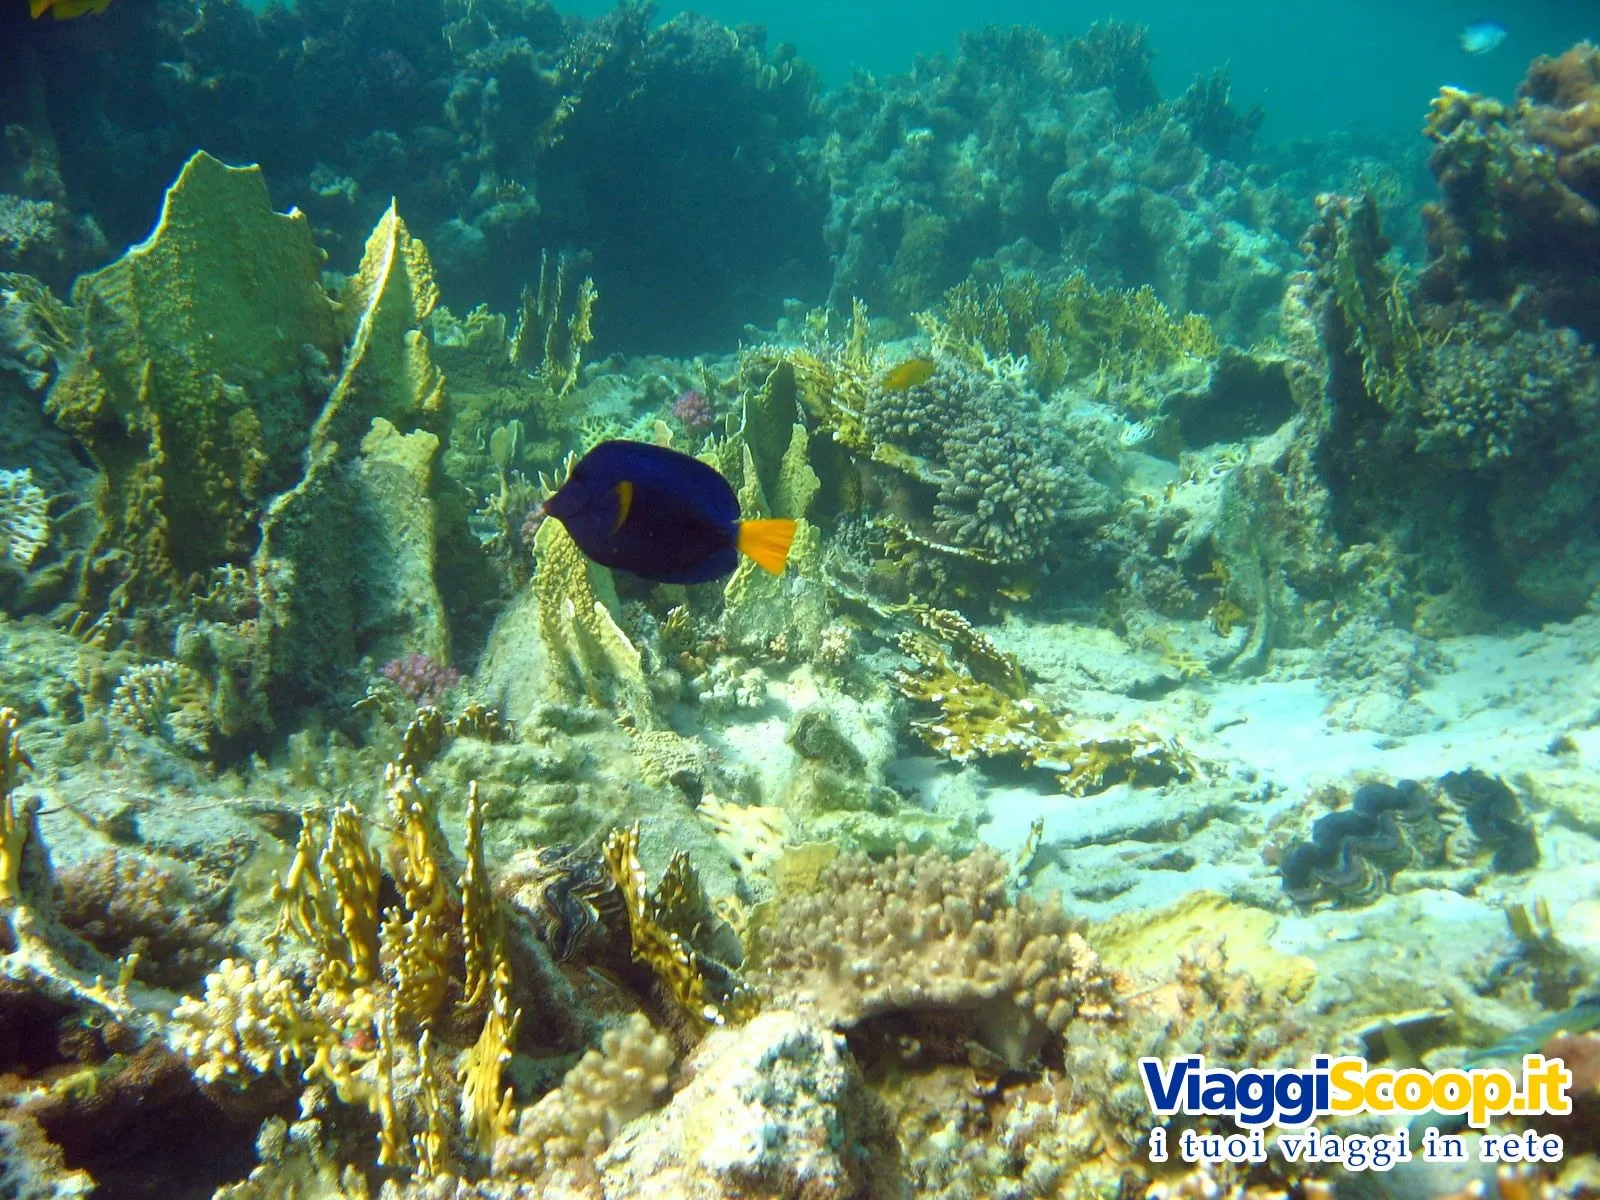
(662,515)
(1482,36)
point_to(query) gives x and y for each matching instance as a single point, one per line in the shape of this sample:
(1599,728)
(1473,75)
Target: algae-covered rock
(351,544)
(196,376)
(590,658)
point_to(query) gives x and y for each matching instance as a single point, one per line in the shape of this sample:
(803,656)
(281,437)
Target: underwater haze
(917,603)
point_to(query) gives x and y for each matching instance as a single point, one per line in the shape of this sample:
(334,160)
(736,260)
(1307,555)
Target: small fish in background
(65,10)
(1482,36)
(908,374)
(662,515)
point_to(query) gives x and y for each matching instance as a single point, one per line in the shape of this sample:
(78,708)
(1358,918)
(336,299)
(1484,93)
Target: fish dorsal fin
(767,542)
(624,502)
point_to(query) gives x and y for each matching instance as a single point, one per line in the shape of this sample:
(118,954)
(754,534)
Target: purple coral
(693,410)
(417,677)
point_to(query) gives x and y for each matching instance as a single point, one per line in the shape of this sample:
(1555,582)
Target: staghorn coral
(623,1077)
(927,933)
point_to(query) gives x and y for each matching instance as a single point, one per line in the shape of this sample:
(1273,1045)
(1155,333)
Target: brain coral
(924,932)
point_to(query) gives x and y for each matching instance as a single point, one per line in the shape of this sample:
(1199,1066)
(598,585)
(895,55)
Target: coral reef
(1518,215)
(499,131)
(1026,146)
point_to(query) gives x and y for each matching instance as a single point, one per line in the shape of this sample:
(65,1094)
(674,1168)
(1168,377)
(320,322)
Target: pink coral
(693,410)
(417,677)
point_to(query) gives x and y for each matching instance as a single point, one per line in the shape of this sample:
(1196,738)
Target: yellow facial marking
(624,503)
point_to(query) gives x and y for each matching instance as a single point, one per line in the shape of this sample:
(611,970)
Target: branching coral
(663,925)
(546,327)
(1492,393)
(366,1018)
(612,1084)
(929,933)
(985,711)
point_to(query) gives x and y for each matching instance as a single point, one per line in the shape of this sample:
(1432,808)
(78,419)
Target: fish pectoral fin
(37,7)
(767,542)
(624,503)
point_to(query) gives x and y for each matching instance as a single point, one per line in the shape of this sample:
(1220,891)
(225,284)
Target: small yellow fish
(65,10)
(908,374)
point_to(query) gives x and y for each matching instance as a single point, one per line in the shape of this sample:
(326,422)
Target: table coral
(930,933)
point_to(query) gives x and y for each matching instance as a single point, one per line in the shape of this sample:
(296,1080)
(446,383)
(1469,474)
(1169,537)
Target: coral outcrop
(1519,193)
(275,510)
(924,933)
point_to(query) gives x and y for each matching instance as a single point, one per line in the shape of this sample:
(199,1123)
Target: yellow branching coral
(479,916)
(485,1109)
(993,717)
(419,848)
(558,337)
(1370,298)
(660,925)
(330,898)
(835,379)
(1068,330)
(14,826)
(363,1031)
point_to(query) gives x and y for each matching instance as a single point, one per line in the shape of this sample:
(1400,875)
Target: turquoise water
(860,609)
(1315,67)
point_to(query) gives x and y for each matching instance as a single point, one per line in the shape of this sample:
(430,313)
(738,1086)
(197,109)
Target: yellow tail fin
(767,542)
